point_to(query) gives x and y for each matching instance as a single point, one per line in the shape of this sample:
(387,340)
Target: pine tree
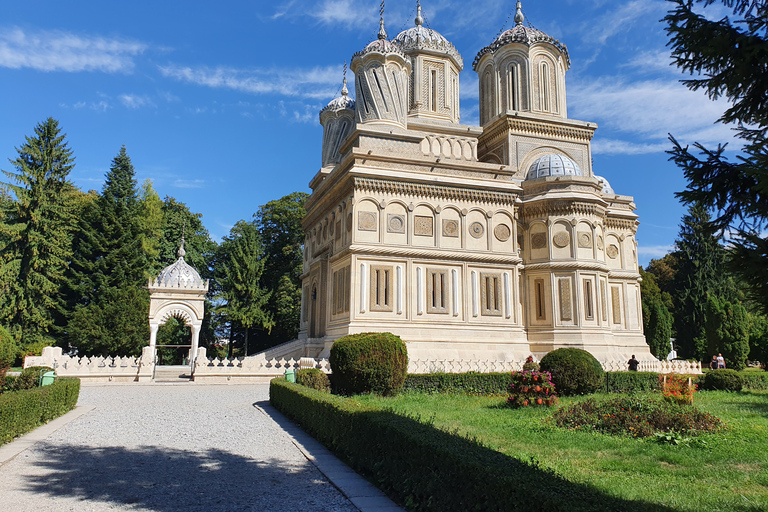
(245,300)
(109,268)
(36,230)
(729,59)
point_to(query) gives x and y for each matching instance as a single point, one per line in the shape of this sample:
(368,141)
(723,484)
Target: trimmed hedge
(426,469)
(313,378)
(754,380)
(631,382)
(23,411)
(722,380)
(472,383)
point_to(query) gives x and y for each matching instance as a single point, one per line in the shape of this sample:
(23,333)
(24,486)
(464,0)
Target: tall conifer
(36,232)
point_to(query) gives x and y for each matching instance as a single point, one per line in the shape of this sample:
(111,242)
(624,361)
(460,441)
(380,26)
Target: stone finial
(344,90)
(382,30)
(519,18)
(419,19)
(181,252)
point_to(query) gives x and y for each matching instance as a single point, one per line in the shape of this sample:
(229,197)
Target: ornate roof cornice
(537,128)
(435,191)
(544,208)
(522,35)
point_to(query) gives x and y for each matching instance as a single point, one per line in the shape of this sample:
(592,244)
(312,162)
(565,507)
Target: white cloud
(648,111)
(182,183)
(653,251)
(63,51)
(318,82)
(342,12)
(623,147)
(618,21)
(133,101)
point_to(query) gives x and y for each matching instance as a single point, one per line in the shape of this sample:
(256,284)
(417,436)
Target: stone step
(172,373)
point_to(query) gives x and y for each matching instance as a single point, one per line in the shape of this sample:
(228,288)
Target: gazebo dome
(553,165)
(342,102)
(179,274)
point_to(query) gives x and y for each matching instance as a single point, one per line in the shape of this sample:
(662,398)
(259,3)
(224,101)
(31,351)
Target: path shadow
(166,480)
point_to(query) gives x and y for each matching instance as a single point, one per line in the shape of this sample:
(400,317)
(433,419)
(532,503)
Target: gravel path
(168,448)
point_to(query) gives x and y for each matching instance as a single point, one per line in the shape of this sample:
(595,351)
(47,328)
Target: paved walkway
(170,448)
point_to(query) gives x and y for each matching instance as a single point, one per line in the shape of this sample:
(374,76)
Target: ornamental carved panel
(561,239)
(502,232)
(476,230)
(566,311)
(612,251)
(450,228)
(539,241)
(396,223)
(585,240)
(366,221)
(600,243)
(423,226)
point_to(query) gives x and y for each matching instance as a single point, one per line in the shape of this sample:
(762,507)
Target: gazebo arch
(178,292)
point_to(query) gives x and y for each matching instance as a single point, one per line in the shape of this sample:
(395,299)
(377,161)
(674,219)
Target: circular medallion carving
(396,224)
(585,240)
(539,241)
(612,251)
(349,222)
(600,243)
(502,232)
(561,240)
(476,230)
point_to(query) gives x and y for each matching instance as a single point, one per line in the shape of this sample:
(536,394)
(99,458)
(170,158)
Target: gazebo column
(195,342)
(153,328)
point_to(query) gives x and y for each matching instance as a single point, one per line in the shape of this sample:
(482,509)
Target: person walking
(713,363)
(720,361)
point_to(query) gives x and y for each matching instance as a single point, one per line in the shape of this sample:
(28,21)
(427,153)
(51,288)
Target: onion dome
(420,38)
(607,189)
(381,44)
(179,274)
(522,34)
(553,165)
(342,102)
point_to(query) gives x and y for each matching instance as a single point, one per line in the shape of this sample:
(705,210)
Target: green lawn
(727,471)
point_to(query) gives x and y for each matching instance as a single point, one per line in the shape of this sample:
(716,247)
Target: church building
(484,243)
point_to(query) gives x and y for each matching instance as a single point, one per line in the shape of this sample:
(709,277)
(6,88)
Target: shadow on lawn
(759,406)
(432,470)
(164,480)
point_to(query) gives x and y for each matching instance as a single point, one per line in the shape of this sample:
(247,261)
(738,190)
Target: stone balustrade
(258,367)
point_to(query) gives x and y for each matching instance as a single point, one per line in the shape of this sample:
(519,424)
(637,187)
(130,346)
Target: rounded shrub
(574,371)
(371,362)
(8,348)
(722,380)
(313,378)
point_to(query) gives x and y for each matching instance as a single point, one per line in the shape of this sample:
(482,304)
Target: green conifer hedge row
(23,411)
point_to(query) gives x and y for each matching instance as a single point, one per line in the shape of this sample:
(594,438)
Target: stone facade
(484,243)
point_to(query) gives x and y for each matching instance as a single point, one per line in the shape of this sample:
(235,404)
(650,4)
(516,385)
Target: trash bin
(47,378)
(290,375)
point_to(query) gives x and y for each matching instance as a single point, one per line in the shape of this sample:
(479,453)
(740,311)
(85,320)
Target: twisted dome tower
(434,90)
(338,121)
(381,81)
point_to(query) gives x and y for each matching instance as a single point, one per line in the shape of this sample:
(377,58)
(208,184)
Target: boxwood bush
(427,469)
(472,383)
(574,371)
(23,411)
(631,382)
(722,380)
(371,362)
(313,378)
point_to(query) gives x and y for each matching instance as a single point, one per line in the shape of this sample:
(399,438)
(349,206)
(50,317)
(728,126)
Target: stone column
(195,341)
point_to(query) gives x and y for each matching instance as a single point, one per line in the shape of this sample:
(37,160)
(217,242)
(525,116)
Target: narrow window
(589,313)
(539,292)
(381,289)
(437,291)
(434,90)
(544,86)
(491,289)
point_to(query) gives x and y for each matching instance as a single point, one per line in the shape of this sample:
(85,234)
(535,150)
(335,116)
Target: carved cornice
(544,208)
(434,254)
(621,223)
(538,129)
(624,275)
(434,191)
(559,266)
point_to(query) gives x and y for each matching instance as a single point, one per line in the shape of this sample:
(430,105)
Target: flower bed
(531,388)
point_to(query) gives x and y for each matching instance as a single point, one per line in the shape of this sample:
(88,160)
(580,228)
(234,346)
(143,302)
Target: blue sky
(217,102)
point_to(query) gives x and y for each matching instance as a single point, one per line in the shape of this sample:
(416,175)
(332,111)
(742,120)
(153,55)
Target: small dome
(342,102)
(179,274)
(553,165)
(422,38)
(607,189)
(381,44)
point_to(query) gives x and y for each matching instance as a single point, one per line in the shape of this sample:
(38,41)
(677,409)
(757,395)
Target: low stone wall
(259,368)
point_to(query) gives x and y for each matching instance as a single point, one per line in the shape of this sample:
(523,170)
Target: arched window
(486,101)
(513,77)
(544,87)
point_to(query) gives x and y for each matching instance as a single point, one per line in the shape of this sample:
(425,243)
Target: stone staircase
(172,374)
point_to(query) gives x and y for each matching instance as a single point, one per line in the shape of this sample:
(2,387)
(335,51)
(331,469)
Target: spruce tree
(36,229)
(109,269)
(728,58)
(727,330)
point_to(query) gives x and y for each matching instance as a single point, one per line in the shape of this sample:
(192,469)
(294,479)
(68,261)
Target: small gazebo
(178,292)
